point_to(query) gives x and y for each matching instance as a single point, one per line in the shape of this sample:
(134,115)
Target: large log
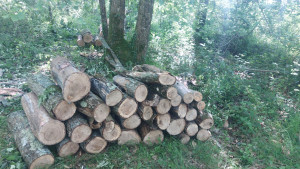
(74,84)
(80,41)
(110,131)
(184,138)
(163,121)
(191,128)
(150,134)
(53,100)
(176,100)
(87,36)
(186,94)
(78,129)
(205,121)
(107,91)
(131,122)
(169,92)
(132,87)
(35,154)
(66,147)
(129,137)
(125,108)
(191,114)
(176,126)
(95,144)
(203,135)
(156,78)
(92,106)
(145,111)
(180,111)
(47,130)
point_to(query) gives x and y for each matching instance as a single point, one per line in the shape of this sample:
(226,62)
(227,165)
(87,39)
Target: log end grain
(101,112)
(129,137)
(132,122)
(154,137)
(188,98)
(67,149)
(176,100)
(191,114)
(184,138)
(176,127)
(201,105)
(63,111)
(42,162)
(81,133)
(112,132)
(114,97)
(172,93)
(52,132)
(146,113)
(197,96)
(96,145)
(141,93)
(166,79)
(191,129)
(203,135)
(163,121)
(127,108)
(182,110)
(163,106)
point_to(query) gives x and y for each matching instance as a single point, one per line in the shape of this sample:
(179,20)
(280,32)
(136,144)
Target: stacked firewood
(78,111)
(86,38)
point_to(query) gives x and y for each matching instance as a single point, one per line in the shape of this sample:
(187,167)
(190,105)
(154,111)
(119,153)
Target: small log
(131,122)
(191,128)
(54,102)
(151,68)
(93,123)
(74,84)
(176,126)
(125,108)
(197,96)
(176,100)
(35,154)
(184,138)
(180,111)
(199,105)
(78,129)
(132,87)
(66,147)
(205,121)
(129,137)
(163,121)
(191,114)
(95,144)
(150,77)
(47,130)
(80,41)
(87,36)
(169,92)
(184,92)
(97,41)
(145,111)
(163,106)
(111,131)
(107,91)
(203,135)
(150,135)
(92,106)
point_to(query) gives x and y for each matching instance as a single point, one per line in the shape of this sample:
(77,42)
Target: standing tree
(103,18)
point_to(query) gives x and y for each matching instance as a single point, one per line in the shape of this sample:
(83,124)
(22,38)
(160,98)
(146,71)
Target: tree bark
(110,131)
(103,18)
(94,144)
(142,28)
(47,130)
(150,77)
(54,102)
(129,137)
(150,135)
(205,121)
(35,154)
(66,147)
(78,129)
(126,108)
(176,126)
(184,92)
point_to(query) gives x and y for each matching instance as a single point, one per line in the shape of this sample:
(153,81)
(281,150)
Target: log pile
(85,38)
(76,111)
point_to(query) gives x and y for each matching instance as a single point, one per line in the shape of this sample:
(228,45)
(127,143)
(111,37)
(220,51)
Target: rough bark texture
(78,129)
(184,92)
(107,91)
(80,41)
(142,28)
(35,154)
(180,111)
(66,147)
(163,121)
(176,100)
(191,129)
(131,122)
(74,84)
(150,77)
(54,102)
(129,137)
(126,108)
(132,87)
(110,131)
(94,144)
(103,18)
(184,138)
(191,114)
(203,135)
(176,126)
(47,130)
(150,135)
(205,121)
(145,111)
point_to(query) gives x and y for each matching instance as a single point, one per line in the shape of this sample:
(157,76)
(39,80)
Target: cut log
(111,131)
(107,91)
(151,68)
(80,41)
(35,154)
(180,111)
(145,111)
(92,106)
(150,77)
(163,121)
(125,108)
(131,122)
(150,135)
(191,129)
(152,100)
(74,84)
(95,144)
(205,121)
(184,92)
(47,130)
(53,100)
(169,92)
(203,135)
(191,114)
(163,106)
(176,100)
(97,41)
(176,126)
(66,147)
(132,87)
(199,105)
(78,129)
(87,36)
(129,137)
(93,123)
(184,138)
(197,96)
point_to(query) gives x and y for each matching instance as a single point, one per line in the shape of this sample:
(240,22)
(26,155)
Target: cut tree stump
(150,77)
(191,114)
(110,131)
(129,137)
(150,135)
(205,121)
(132,87)
(95,144)
(107,91)
(80,41)
(54,102)
(78,129)
(184,138)
(92,106)
(35,154)
(184,92)
(176,100)
(163,121)
(131,122)
(145,112)
(125,108)
(97,41)
(176,126)
(74,84)
(203,135)
(87,36)
(191,128)
(66,147)
(47,130)
(180,111)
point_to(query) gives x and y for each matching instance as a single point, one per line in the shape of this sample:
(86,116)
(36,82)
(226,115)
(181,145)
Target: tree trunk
(191,129)
(78,129)
(163,121)
(103,18)
(129,137)
(145,111)
(107,91)
(176,126)
(142,29)
(150,135)
(176,100)
(191,114)
(35,154)
(95,143)
(180,111)
(75,84)
(66,147)
(184,138)
(110,131)
(54,102)
(150,77)
(92,106)
(80,41)
(132,87)
(132,122)
(184,92)
(205,121)
(47,130)
(203,135)
(126,108)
